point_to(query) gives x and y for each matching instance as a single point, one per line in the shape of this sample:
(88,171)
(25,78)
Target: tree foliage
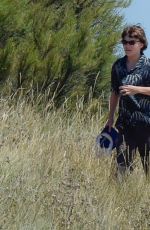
(64,47)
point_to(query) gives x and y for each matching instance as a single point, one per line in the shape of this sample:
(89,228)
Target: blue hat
(106,139)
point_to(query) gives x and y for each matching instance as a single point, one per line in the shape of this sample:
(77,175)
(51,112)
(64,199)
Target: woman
(130,84)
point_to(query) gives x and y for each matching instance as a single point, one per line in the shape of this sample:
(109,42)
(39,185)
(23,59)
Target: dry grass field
(50,178)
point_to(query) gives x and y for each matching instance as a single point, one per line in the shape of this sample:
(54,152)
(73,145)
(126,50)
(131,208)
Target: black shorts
(130,140)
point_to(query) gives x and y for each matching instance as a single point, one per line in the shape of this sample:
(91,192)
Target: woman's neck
(133,59)
(131,62)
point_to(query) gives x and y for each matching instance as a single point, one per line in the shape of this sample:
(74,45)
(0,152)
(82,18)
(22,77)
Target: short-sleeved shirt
(133,109)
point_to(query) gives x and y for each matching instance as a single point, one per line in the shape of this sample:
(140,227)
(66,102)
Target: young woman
(130,84)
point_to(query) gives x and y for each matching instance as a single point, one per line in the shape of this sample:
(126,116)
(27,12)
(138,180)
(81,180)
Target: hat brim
(106,139)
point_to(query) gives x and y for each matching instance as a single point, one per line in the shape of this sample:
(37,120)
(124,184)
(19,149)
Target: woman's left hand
(128,90)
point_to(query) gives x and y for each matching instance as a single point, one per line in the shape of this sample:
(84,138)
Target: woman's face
(132,46)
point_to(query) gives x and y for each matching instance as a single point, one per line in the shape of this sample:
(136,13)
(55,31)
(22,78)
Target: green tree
(64,47)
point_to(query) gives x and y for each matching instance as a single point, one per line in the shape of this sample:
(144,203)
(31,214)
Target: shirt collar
(141,61)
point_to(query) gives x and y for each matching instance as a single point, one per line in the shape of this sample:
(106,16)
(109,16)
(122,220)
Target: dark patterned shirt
(133,109)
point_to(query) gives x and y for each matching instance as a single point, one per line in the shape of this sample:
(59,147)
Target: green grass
(50,177)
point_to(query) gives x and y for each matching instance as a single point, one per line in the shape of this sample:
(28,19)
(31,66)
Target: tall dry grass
(51,179)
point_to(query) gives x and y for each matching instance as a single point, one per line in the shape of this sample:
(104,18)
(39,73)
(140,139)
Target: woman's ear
(141,45)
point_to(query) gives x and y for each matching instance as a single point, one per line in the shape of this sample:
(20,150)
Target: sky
(139,12)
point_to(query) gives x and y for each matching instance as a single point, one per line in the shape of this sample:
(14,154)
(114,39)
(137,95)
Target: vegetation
(58,54)
(51,178)
(62,47)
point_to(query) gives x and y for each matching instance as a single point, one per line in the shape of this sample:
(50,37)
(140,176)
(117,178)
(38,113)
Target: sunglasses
(132,42)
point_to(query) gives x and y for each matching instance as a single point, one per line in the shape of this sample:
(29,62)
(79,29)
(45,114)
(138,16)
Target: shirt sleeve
(114,80)
(147,79)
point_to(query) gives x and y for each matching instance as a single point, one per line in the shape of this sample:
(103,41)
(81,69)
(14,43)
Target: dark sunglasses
(132,42)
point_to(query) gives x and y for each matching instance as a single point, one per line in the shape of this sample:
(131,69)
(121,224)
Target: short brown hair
(136,31)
